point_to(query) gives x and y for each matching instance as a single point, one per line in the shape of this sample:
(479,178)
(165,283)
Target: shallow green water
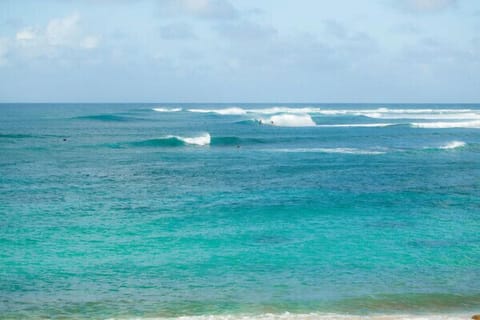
(123,211)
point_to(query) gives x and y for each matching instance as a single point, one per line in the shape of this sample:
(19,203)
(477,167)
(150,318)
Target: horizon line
(230,102)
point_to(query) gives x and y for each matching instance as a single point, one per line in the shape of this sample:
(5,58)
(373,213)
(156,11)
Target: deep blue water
(119,211)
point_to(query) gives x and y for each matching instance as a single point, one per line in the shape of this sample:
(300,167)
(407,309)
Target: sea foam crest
(433,115)
(446,125)
(356,125)
(331,150)
(289,120)
(453,145)
(378,113)
(167,109)
(201,140)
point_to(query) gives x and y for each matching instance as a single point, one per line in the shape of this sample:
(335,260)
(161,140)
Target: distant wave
(357,125)
(17,136)
(268,121)
(158,109)
(330,150)
(106,118)
(454,145)
(378,113)
(201,140)
(174,141)
(446,125)
(289,120)
(424,116)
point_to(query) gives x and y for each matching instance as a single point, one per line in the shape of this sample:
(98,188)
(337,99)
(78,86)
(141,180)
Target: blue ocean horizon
(287,210)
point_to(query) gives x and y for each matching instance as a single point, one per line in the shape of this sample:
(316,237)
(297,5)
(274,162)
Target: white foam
(289,120)
(201,140)
(424,116)
(453,145)
(331,150)
(446,125)
(378,113)
(355,125)
(315,316)
(167,109)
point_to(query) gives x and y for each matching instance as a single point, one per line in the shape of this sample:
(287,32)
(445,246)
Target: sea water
(238,211)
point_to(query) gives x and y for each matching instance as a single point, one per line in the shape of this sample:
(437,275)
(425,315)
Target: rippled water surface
(162,210)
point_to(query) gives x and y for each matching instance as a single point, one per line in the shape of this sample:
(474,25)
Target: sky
(240,51)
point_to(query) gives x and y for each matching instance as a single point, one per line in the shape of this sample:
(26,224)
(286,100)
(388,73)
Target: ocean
(239,211)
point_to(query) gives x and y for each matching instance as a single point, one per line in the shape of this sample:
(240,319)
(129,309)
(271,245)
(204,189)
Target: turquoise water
(121,211)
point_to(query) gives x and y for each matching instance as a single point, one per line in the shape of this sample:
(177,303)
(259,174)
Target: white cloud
(206,9)
(27,34)
(429,5)
(196,5)
(62,31)
(90,42)
(3,51)
(52,39)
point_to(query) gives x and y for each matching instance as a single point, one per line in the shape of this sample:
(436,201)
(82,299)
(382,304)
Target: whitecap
(201,140)
(289,120)
(167,109)
(330,150)
(424,116)
(446,125)
(356,125)
(453,145)
(377,113)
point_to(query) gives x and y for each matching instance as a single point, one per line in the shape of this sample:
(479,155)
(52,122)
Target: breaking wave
(454,145)
(357,125)
(175,141)
(289,120)
(446,125)
(378,113)
(202,140)
(167,109)
(330,150)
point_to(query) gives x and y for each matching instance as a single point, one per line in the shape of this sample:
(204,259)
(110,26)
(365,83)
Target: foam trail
(167,109)
(289,120)
(356,125)
(423,116)
(331,150)
(446,125)
(453,145)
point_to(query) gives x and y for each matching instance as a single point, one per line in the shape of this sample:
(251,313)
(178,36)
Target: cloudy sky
(240,50)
